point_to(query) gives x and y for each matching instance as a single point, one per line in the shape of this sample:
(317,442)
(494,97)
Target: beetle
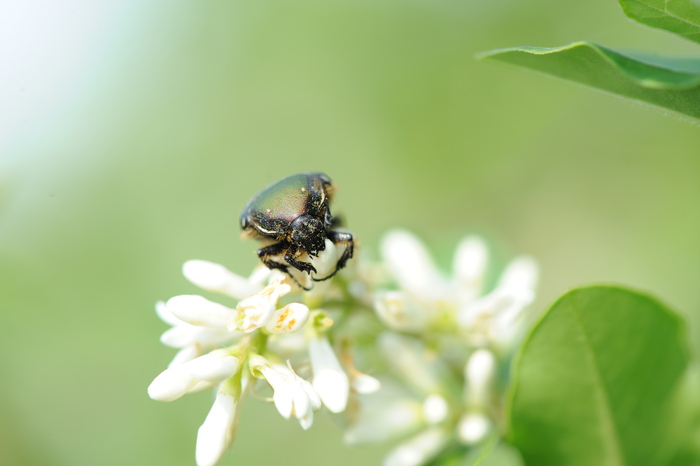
(294,213)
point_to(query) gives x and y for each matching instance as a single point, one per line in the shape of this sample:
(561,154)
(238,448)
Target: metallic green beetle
(295,214)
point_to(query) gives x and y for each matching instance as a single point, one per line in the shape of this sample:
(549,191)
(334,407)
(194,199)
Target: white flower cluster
(422,332)
(445,341)
(233,347)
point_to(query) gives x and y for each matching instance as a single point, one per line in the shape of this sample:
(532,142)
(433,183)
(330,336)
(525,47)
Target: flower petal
(435,409)
(218,431)
(412,266)
(178,380)
(479,376)
(469,268)
(473,428)
(186,354)
(197,310)
(214,367)
(365,384)
(165,315)
(215,277)
(330,381)
(171,384)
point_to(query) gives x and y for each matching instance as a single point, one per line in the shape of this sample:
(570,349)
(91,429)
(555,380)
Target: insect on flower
(294,214)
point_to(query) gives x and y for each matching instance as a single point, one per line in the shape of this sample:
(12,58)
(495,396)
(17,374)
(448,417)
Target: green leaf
(664,82)
(684,425)
(681,17)
(595,381)
(500,454)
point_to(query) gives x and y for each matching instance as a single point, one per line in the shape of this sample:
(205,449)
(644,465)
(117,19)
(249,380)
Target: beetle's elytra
(295,213)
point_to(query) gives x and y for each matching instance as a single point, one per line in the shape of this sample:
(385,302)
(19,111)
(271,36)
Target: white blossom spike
(330,381)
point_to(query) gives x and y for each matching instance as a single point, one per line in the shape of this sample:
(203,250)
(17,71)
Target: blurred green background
(133,133)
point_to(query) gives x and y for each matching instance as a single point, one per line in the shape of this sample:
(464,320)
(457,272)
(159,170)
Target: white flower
(201,372)
(495,317)
(288,319)
(293,396)
(218,431)
(426,298)
(330,381)
(257,310)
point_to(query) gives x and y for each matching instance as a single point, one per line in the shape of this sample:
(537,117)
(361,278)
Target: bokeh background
(133,133)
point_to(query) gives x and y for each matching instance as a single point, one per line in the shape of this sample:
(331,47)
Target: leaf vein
(608,417)
(666,12)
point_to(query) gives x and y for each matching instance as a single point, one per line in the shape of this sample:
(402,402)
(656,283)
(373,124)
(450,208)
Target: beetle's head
(308,233)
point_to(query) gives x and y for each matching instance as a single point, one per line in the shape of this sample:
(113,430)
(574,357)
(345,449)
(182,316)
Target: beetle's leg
(340,237)
(275,250)
(299,265)
(336,222)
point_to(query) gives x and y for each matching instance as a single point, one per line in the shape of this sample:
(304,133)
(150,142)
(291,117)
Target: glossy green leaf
(665,82)
(595,381)
(681,17)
